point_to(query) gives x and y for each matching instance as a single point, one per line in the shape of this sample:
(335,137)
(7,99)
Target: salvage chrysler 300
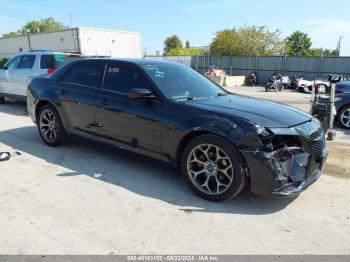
(221,142)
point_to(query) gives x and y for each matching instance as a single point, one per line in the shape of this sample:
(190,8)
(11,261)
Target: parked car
(342,105)
(343,87)
(170,112)
(322,84)
(21,69)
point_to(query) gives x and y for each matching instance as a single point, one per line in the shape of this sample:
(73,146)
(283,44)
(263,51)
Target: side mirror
(137,93)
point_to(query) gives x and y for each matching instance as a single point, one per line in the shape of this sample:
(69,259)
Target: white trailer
(81,40)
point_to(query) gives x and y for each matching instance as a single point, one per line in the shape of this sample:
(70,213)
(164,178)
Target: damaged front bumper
(288,170)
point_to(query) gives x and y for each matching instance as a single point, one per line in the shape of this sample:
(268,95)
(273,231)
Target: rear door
(128,123)
(77,91)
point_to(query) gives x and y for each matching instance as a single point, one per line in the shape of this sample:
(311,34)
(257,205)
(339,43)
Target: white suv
(21,69)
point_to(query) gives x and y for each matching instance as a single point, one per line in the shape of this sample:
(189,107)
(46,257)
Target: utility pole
(70,20)
(339,44)
(29,44)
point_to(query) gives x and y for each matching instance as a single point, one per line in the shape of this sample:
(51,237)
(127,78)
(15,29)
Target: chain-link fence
(265,66)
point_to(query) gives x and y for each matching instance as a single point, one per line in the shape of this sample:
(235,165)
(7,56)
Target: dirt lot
(89,199)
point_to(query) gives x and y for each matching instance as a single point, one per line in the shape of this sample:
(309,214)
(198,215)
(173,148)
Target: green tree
(188,45)
(183,51)
(172,42)
(10,34)
(226,42)
(324,52)
(44,25)
(3,61)
(299,44)
(247,41)
(176,52)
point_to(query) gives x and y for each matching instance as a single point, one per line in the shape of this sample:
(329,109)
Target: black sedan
(221,142)
(342,103)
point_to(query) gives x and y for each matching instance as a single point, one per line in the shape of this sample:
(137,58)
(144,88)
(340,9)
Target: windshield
(179,82)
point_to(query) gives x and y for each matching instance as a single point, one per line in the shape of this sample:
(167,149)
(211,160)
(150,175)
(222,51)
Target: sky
(194,20)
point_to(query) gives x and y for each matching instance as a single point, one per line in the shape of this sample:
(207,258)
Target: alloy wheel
(48,125)
(321,89)
(210,169)
(345,118)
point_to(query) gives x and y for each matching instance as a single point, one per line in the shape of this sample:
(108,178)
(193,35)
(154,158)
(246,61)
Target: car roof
(44,53)
(130,61)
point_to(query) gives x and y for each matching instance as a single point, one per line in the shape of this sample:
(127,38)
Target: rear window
(55,61)
(84,74)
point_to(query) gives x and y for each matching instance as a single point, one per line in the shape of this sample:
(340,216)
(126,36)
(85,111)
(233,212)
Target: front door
(7,76)
(128,123)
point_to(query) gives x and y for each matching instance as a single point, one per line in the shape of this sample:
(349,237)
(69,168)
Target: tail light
(51,70)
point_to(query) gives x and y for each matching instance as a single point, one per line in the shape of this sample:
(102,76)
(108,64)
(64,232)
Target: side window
(68,76)
(27,62)
(14,62)
(86,74)
(122,79)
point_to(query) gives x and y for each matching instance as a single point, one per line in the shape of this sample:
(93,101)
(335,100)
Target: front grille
(317,141)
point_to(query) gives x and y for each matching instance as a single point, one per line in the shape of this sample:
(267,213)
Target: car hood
(259,111)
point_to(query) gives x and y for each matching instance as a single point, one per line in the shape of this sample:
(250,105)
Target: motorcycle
(285,82)
(252,79)
(274,83)
(294,82)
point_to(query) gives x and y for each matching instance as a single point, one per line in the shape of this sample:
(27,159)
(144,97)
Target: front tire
(212,167)
(344,117)
(321,89)
(50,126)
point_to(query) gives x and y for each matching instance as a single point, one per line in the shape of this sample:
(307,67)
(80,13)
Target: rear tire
(212,167)
(2,100)
(50,126)
(344,117)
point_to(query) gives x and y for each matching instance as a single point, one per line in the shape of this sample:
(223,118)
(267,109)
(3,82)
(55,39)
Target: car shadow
(144,176)
(17,108)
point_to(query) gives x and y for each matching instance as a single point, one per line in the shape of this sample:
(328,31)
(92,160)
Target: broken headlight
(277,142)
(264,132)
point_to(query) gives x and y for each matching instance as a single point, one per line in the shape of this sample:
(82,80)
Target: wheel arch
(40,104)
(340,109)
(192,135)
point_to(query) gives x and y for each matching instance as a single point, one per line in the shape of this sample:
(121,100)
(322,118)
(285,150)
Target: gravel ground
(89,199)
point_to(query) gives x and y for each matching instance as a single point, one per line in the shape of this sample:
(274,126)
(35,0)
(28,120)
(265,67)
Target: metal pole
(203,64)
(30,47)
(321,62)
(257,63)
(313,94)
(285,64)
(332,133)
(331,118)
(208,62)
